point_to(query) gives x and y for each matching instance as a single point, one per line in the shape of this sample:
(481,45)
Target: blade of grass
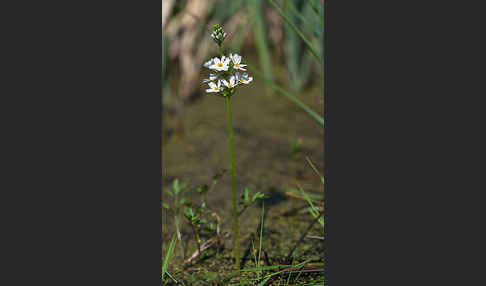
(300,265)
(319,9)
(168,256)
(292,98)
(260,39)
(292,192)
(298,61)
(290,273)
(264,281)
(265,268)
(301,35)
(170,276)
(260,239)
(302,18)
(314,211)
(315,169)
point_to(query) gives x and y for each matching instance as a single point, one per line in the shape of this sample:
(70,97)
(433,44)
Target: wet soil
(265,129)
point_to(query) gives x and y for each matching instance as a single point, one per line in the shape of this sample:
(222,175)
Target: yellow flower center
(242,80)
(237,65)
(230,85)
(215,88)
(220,64)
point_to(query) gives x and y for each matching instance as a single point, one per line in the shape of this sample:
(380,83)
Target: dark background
(81,133)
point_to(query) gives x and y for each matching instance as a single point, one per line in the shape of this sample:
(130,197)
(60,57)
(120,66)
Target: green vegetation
(272,212)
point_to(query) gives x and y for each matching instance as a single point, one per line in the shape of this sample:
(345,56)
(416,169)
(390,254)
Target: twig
(315,236)
(206,245)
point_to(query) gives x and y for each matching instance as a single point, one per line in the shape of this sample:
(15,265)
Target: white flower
(244,78)
(208,63)
(237,62)
(220,65)
(212,77)
(214,87)
(232,82)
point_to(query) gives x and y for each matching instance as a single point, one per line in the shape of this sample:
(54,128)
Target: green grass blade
(301,35)
(315,169)
(264,281)
(314,211)
(256,7)
(260,240)
(292,98)
(303,18)
(265,268)
(168,256)
(313,197)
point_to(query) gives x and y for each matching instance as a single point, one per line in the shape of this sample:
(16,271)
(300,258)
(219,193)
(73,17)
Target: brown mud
(266,130)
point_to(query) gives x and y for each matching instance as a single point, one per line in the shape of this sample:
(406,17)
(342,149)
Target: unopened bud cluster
(218,34)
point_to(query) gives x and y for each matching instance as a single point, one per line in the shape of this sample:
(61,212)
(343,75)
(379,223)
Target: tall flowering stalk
(223,81)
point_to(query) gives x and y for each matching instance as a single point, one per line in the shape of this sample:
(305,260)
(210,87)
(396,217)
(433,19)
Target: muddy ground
(266,131)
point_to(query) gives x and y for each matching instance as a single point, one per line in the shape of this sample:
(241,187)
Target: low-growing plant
(177,193)
(201,218)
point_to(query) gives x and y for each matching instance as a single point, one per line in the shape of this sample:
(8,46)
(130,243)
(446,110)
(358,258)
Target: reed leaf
(311,48)
(298,62)
(263,51)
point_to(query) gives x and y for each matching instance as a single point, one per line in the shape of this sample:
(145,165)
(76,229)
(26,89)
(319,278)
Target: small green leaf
(257,196)
(189,213)
(203,221)
(165,206)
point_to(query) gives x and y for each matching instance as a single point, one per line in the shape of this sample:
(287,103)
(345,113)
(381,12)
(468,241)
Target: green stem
(196,236)
(179,237)
(235,210)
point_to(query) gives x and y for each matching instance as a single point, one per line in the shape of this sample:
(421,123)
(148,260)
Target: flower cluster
(226,76)
(218,34)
